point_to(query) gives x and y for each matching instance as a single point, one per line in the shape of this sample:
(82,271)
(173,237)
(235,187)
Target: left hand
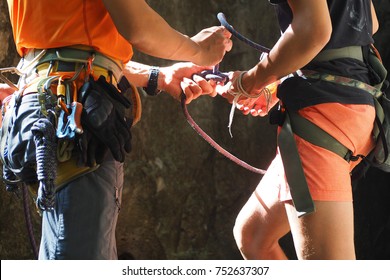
(5,90)
(258,106)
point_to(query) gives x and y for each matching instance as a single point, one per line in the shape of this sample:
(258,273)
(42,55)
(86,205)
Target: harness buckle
(350,157)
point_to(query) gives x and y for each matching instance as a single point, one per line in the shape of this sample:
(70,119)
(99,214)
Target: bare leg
(262,221)
(326,234)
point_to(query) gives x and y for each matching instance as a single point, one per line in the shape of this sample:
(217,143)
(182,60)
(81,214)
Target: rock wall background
(181,196)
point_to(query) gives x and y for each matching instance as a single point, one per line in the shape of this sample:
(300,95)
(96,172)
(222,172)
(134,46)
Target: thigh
(82,226)
(263,217)
(324,234)
(328,174)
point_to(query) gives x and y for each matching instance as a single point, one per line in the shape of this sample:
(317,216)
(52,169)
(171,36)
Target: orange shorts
(327,174)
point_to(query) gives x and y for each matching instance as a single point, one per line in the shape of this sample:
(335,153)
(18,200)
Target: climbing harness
(297,182)
(292,123)
(41,121)
(296,179)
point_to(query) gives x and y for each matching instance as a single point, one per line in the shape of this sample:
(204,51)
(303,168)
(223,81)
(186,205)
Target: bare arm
(148,32)
(375,23)
(172,79)
(308,33)
(137,73)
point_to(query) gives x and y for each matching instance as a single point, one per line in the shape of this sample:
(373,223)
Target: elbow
(136,41)
(375,23)
(130,34)
(314,34)
(375,26)
(326,34)
(320,35)
(134,37)
(323,32)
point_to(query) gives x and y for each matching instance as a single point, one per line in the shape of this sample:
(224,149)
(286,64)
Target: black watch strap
(151,88)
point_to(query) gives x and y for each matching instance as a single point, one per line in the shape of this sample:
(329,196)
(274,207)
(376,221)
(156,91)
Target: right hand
(214,42)
(182,77)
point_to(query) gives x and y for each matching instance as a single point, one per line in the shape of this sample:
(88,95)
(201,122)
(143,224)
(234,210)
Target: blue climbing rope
(222,19)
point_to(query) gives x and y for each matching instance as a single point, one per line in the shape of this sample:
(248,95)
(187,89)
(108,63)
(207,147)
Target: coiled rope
(45,142)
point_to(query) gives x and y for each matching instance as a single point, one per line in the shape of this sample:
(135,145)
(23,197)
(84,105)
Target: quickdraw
(222,78)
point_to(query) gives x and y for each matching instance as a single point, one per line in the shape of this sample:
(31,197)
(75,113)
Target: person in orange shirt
(331,38)
(80,51)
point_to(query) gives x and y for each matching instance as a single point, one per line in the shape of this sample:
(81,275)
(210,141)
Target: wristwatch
(151,88)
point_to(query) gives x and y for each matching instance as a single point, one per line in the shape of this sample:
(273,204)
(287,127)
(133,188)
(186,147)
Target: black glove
(104,115)
(92,150)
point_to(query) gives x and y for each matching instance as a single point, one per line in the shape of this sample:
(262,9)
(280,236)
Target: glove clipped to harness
(107,117)
(92,150)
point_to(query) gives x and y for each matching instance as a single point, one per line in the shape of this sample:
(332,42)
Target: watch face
(151,88)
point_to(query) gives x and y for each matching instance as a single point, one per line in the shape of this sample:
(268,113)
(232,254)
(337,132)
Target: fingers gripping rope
(217,75)
(221,77)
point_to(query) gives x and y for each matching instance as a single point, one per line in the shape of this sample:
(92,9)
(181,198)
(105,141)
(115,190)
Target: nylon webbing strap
(327,141)
(380,114)
(315,135)
(75,55)
(341,81)
(300,194)
(331,54)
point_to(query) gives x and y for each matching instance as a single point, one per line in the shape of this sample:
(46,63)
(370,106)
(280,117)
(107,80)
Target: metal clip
(12,70)
(72,126)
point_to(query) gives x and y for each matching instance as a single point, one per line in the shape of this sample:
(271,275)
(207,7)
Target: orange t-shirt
(43,24)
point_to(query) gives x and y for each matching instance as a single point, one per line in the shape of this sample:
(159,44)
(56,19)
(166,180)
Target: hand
(214,42)
(5,90)
(258,106)
(181,77)
(224,90)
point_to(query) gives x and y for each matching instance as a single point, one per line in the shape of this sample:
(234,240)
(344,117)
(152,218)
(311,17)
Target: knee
(237,234)
(254,240)
(244,235)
